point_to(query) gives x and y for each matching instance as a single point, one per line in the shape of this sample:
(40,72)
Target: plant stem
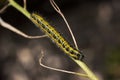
(89,73)
(19,8)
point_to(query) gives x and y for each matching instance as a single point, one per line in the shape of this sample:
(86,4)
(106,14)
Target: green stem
(19,8)
(80,63)
(90,74)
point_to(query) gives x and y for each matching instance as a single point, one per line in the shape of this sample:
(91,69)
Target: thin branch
(12,28)
(19,8)
(59,70)
(57,9)
(5,7)
(25,4)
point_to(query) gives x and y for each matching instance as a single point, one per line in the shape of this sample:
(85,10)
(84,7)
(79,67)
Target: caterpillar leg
(12,28)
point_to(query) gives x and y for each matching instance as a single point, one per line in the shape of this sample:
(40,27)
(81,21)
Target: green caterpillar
(55,36)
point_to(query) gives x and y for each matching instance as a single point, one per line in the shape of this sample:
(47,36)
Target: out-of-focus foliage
(113,63)
(95,24)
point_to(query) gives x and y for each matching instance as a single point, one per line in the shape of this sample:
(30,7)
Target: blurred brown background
(95,24)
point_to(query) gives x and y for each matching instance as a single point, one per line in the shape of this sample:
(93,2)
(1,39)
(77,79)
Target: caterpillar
(56,37)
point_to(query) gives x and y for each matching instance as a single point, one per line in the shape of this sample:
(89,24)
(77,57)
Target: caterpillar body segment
(55,36)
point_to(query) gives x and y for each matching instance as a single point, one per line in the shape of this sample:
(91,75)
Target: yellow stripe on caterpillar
(55,36)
